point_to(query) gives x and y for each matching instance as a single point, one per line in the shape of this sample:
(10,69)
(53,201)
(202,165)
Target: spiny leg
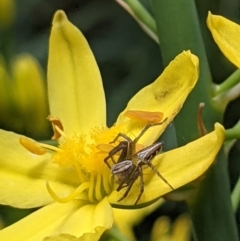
(121,147)
(136,174)
(146,128)
(129,147)
(157,172)
(141,184)
(121,135)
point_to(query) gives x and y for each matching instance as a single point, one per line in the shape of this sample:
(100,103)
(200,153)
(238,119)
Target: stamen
(106,185)
(81,176)
(145,116)
(91,189)
(32,146)
(98,193)
(60,131)
(71,196)
(49,147)
(57,125)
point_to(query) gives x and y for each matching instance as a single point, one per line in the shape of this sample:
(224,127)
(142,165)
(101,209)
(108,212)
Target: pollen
(82,152)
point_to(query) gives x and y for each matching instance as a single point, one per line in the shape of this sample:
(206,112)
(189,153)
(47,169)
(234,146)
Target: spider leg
(121,135)
(141,184)
(122,146)
(146,128)
(134,177)
(128,145)
(157,172)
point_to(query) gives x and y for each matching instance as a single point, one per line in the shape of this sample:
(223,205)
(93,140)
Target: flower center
(82,153)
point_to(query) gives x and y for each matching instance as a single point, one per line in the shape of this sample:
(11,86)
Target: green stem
(221,100)
(178,30)
(142,14)
(212,216)
(233,133)
(230,82)
(115,234)
(236,196)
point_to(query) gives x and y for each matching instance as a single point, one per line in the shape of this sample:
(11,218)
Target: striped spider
(129,165)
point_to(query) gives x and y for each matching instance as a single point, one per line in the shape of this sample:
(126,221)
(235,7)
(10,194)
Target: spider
(129,164)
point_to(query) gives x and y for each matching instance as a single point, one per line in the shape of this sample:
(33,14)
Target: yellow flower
(180,230)
(126,220)
(226,34)
(81,190)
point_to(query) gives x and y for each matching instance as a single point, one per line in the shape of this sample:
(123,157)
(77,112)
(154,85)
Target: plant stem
(178,30)
(142,14)
(233,133)
(236,196)
(231,81)
(116,235)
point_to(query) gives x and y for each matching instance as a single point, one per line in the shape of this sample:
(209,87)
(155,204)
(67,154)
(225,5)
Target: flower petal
(23,175)
(75,88)
(167,94)
(75,218)
(179,231)
(226,34)
(179,167)
(134,217)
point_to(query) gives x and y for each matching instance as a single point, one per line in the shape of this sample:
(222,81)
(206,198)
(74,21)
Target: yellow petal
(96,235)
(179,231)
(75,88)
(134,217)
(75,218)
(167,94)
(182,228)
(227,36)
(161,229)
(179,167)
(23,175)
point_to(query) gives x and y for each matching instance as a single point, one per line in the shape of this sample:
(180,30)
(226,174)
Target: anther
(145,116)
(57,127)
(32,146)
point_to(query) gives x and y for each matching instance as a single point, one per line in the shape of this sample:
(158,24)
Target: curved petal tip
(220,131)
(59,17)
(226,35)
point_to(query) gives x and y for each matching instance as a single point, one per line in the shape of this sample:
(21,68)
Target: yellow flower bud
(29,92)
(7,13)
(23,99)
